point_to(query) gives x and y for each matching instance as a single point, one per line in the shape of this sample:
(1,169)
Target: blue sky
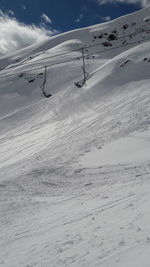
(69,14)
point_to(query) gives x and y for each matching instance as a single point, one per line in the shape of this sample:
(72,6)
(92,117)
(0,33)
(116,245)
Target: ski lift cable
(116,47)
(84,47)
(70,60)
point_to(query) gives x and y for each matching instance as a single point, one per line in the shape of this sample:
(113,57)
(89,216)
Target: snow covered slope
(75,167)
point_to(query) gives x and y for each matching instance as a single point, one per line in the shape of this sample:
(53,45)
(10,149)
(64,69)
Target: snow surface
(130,149)
(75,167)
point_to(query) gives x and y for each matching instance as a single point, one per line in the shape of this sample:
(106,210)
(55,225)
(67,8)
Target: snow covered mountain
(75,167)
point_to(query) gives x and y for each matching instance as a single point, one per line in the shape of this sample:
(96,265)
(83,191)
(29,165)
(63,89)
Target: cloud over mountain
(46,18)
(15,35)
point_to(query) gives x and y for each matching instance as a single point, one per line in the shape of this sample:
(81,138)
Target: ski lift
(47,95)
(82,82)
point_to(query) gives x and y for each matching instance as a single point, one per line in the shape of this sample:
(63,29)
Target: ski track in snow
(103,219)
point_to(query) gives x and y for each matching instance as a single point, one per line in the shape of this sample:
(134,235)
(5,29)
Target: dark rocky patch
(107,44)
(112,37)
(21,75)
(100,36)
(31,80)
(133,24)
(125,26)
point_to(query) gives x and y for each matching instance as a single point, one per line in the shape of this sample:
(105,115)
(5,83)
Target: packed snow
(124,150)
(75,167)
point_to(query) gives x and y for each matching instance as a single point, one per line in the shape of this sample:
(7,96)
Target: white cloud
(79,18)
(107,18)
(15,35)
(46,18)
(142,3)
(11,13)
(24,7)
